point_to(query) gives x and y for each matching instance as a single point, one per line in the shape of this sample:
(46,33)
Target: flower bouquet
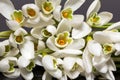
(66,45)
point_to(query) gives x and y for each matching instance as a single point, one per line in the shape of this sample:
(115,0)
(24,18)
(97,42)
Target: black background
(112,6)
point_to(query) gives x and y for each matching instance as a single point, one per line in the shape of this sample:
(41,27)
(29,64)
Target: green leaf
(5,34)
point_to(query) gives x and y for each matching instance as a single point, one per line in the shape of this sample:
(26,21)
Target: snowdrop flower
(51,65)
(93,18)
(68,9)
(14,17)
(43,32)
(7,50)
(31,11)
(73,66)
(17,37)
(8,67)
(47,7)
(94,56)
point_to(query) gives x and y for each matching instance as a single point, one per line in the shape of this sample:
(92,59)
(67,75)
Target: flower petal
(2,49)
(23,62)
(36,32)
(39,3)
(94,7)
(41,45)
(109,75)
(56,13)
(20,31)
(13,52)
(106,37)
(46,76)
(12,41)
(13,25)
(76,44)
(46,17)
(94,48)
(48,63)
(117,47)
(67,52)
(105,17)
(81,31)
(87,61)
(114,26)
(13,75)
(27,50)
(77,20)
(51,29)
(26,74)
(4,65)
(68,63)
(74,4)
(6,8)
(57,74)
(111,65)
(63,26)
(51,43)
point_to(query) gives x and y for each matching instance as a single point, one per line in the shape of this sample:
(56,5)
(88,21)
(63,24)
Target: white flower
(31,11)
(94,19)
(51,64)
(73,66)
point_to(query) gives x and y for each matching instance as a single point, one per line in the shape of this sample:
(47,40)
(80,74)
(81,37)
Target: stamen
(31,12)
(19,39)
(61,42)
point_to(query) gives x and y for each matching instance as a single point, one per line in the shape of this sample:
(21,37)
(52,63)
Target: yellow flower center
(18,19)
(61,42)
(108,48)
(19,39)
(47,8)
(31,12)
(65,14)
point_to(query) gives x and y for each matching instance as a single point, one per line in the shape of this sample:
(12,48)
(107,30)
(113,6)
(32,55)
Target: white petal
(76,44)
(26,74)
(32,6)
(81,31)
(95,48)
(51,43)
(23,62)
(105,17)
(57,74)
(12,41)
(13,75)
(6,8)
(117,47)
(36,32)
(68,63)
(77,20)
(39,3)
(63,26)
(48,63)
(106,37)
(46,76)
(94,7)
(4,65)
(89,76)
(74,4)
(41,45)
(38,60)
(64,77)
(109,75)
(46,17)
(56,13)
(20,31)
(111,65)
(114,26)
(2,49)
(67,52)
(73,75)
(13,52)
(55,2)
(27,50)
(13,25)
(51,29)
(99,63)
(87,61)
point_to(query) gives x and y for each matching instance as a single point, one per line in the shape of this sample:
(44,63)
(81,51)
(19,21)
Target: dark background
(112,6)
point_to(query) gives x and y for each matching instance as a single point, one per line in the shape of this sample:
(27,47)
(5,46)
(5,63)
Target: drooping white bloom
(95,19)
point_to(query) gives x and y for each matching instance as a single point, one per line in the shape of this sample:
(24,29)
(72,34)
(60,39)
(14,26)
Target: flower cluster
(65,44)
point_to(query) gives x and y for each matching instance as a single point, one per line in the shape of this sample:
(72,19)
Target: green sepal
(5,34)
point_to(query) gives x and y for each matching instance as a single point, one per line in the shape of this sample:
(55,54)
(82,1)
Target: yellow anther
(31,12)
